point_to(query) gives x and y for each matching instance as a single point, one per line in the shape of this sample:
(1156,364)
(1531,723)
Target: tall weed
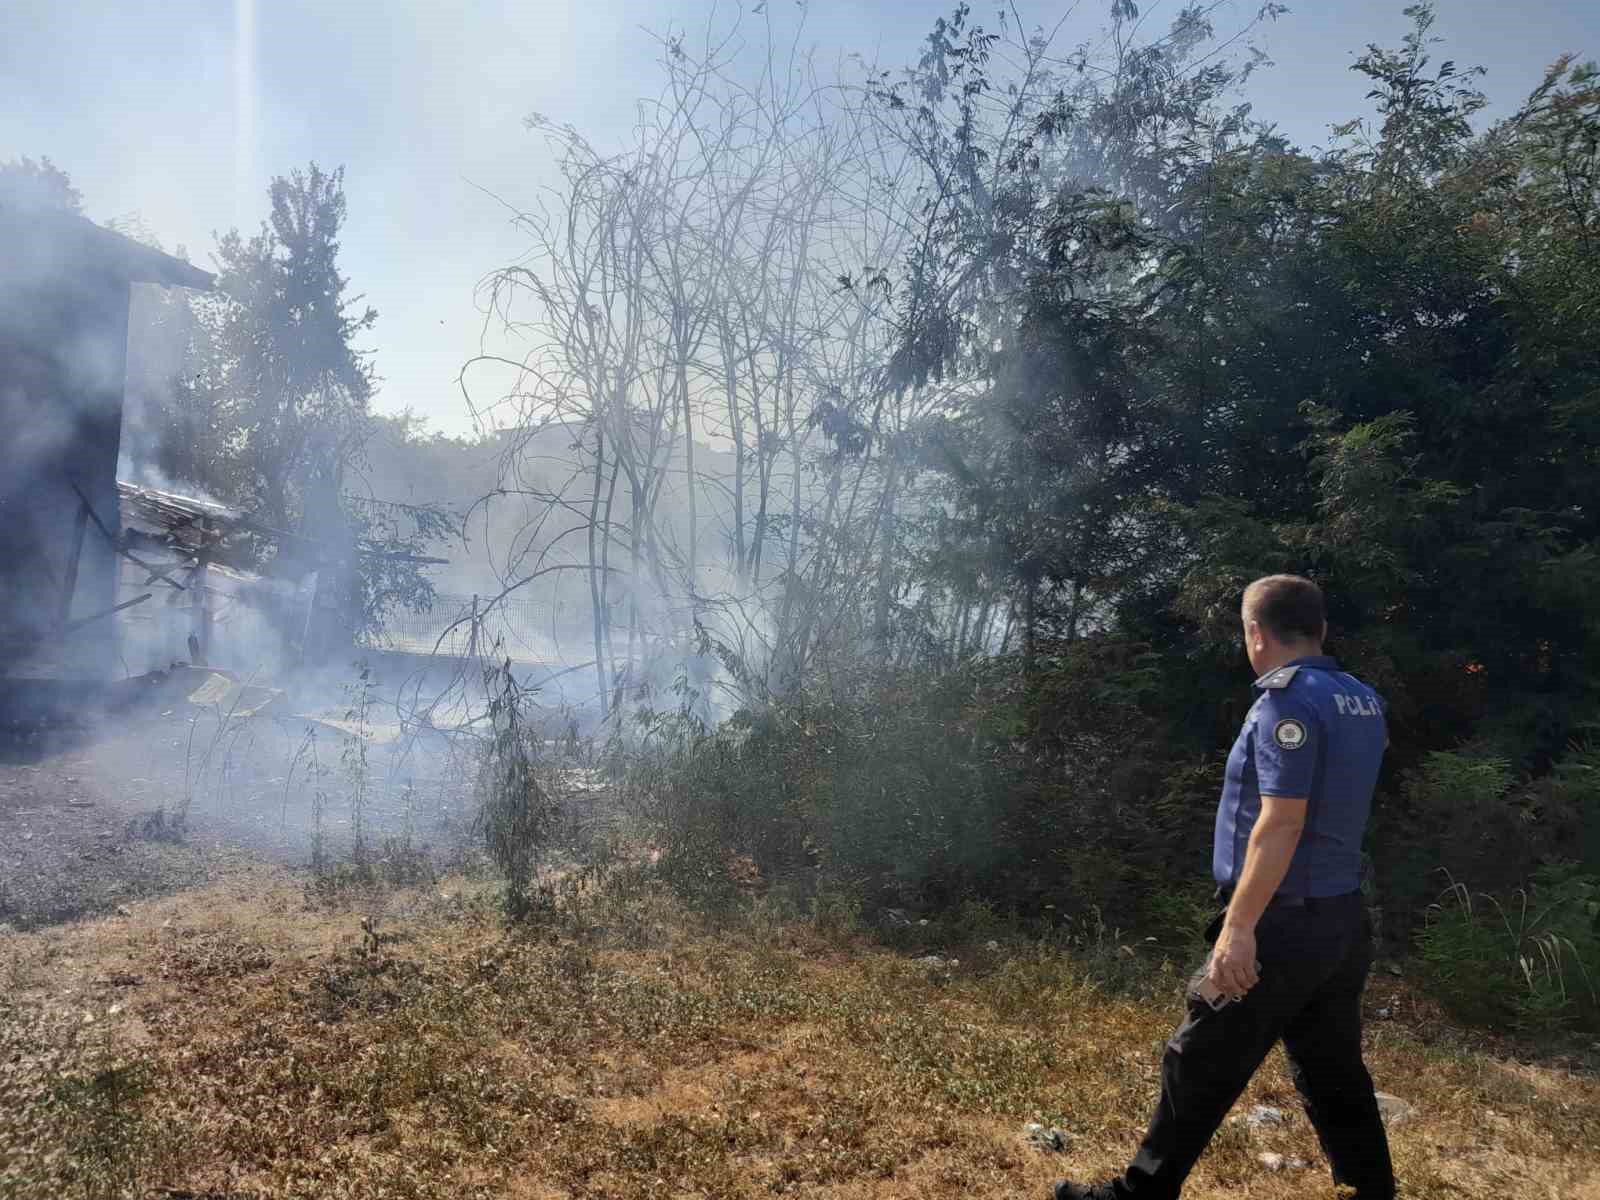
(1530,959)
(516,816)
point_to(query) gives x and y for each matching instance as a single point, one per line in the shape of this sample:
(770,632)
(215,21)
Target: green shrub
(1569,803)
(1451,814)
(75,1119)
(924,791)
(703,801)
(977,920)
(1082,786)
(516,817)
(836,912)
(1529,960)
(108,1139)
(1465,813)
(1177,915)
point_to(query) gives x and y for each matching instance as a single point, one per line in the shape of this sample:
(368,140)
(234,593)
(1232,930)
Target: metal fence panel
(526,629)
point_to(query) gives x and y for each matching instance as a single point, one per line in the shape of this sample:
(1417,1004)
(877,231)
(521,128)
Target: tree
(1048,194)
(299,387)
(1226,356)
(687,289)
(272,411)
(1141,349)
(30,183)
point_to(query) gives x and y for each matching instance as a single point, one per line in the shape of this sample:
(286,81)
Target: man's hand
(1232,969)
(1266,860)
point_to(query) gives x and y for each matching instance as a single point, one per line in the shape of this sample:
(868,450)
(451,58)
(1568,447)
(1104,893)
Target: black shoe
(1065,1189)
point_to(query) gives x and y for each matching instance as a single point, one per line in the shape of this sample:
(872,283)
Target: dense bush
(1047,796)
(1073,796)
(1451,813)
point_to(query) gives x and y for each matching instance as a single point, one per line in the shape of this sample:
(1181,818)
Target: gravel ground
(85,818)
(66,848)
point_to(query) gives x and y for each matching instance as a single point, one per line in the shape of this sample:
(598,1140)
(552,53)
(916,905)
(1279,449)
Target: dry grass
(629,1051)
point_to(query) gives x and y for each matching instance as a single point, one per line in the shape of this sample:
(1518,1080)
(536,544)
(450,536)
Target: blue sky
(167,112)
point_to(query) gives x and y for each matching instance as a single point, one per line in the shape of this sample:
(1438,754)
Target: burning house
(102,579)
(64,302)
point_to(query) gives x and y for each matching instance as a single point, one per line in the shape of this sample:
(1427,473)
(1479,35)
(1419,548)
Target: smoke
(246,180)
(161,325)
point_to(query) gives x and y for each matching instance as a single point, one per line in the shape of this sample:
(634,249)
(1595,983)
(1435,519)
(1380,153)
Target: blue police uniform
(1316,732)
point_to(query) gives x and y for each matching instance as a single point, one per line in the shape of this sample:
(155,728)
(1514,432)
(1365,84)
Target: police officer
(1290,953)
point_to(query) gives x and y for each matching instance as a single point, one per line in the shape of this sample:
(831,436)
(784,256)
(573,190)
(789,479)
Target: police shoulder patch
(1281,678)
(1289,733)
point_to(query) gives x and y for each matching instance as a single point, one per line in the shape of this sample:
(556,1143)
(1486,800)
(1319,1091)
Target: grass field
(237,1039)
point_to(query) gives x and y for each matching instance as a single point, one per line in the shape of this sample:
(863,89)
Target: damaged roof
(154,511)
(45,243)
(188,524)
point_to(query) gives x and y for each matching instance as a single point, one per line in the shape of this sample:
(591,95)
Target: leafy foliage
(928,789)
(1232,357)
(1174,353)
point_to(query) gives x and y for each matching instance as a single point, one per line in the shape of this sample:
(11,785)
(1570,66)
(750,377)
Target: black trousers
(1314,964)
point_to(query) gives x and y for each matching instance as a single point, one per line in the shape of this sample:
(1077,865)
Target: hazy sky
(181,112)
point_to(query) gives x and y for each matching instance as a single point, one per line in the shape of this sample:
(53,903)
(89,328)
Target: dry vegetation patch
(240,1039)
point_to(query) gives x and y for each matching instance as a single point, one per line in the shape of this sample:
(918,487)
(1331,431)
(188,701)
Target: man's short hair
(1287,606)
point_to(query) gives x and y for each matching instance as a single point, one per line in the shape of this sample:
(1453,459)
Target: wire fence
(524,628)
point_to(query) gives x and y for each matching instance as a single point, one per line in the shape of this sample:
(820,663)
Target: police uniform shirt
(1314,731)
